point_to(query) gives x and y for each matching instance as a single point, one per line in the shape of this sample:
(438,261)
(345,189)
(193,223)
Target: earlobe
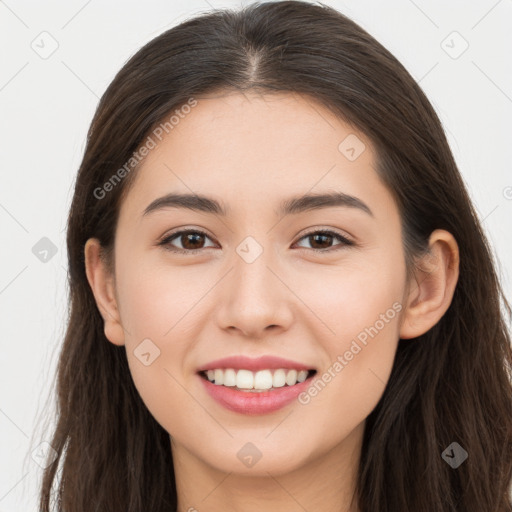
(102,286)
(434,284)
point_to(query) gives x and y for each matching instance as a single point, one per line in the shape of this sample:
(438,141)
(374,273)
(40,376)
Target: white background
(47,105)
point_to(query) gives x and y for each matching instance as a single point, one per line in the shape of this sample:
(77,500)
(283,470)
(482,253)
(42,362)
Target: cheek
(156,306)
(158,301)
(360,310)
(348,298)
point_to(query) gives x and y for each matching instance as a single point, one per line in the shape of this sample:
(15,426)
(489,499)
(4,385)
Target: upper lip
(260,363)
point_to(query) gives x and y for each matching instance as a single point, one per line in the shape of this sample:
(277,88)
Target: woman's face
(254,285)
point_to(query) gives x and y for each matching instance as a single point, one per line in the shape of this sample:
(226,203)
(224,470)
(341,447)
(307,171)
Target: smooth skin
(250,152)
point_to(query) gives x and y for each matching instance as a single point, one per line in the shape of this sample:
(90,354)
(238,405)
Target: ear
(102,284)
(432,291)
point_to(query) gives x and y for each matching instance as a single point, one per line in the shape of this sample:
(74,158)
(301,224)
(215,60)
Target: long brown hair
(452,384)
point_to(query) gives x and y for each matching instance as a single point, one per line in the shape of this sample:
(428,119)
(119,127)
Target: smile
(246,380)
(250,400)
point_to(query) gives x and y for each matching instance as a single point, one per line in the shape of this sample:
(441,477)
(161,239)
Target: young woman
(282,298)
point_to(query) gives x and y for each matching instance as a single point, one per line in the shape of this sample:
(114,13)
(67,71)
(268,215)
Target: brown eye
(321,240)
(191,240)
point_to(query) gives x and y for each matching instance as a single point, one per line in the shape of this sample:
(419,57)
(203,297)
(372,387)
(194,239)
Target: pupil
(315,237)
(193,235)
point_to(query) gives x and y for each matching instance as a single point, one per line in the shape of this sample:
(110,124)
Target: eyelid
(327,229)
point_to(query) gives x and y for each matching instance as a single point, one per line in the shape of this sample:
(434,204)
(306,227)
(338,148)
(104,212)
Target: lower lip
(252,402)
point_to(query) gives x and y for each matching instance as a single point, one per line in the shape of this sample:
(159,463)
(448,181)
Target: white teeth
(244,379)
(219,377)
(258,381)
(301,377)
(229,377)
(279,379)
(263,380)
(291,377)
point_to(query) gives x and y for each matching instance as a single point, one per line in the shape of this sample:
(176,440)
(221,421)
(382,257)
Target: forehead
(252,148)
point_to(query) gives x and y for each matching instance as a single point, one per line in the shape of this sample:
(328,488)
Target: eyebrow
(293,205)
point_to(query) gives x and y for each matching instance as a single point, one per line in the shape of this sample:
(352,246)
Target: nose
(255,298)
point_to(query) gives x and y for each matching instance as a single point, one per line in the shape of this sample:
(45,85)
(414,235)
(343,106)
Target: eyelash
(166,241)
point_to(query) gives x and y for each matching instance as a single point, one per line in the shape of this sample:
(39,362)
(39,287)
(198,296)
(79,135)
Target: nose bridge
(252,278)
(256,298)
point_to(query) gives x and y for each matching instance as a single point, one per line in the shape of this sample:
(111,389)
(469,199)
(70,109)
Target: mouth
(255,393)
(268,380)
